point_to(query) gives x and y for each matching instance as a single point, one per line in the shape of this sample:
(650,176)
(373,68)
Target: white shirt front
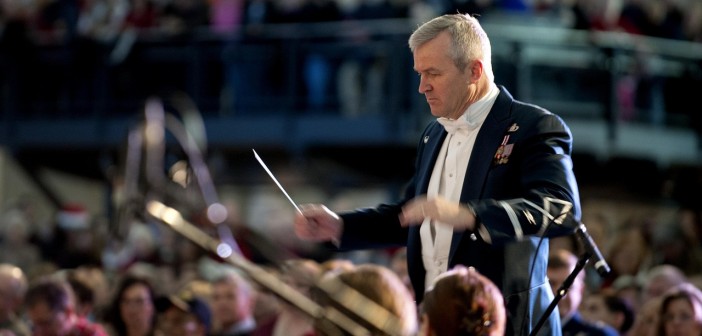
(447,180)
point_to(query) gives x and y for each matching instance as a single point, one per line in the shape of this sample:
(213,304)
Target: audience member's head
(629,250)
(561,264)
(379,285)
(13,286)
(303,273)
(50,307)
(628,288)
(132,310)
(463,302)
(646,320)
(232,304)
(681,311)
(183,317)
(608,308)
(659,279)
(83,293)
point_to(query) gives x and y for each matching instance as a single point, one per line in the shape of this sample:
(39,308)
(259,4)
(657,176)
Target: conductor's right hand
(315,222)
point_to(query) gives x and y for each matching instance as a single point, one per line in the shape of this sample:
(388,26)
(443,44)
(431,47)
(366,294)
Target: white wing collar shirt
(447,179)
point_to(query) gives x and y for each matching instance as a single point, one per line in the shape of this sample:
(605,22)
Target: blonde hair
(383,287)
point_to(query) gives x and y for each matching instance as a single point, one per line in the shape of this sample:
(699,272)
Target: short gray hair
(12,278)
(468,39)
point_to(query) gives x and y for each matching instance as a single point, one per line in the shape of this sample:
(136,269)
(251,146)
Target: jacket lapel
(486,144)
(433,139)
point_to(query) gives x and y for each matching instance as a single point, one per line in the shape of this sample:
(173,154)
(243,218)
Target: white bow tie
(454,125)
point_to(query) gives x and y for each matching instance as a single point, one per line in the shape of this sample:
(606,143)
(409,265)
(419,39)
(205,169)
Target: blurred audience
(302,275)
(659,279)
(13,286)
(605,307)
(396,309)
(681,311)
(647,318)
(50,307)
(182,317)
(16,247)
(132,311)
(630,252)
(561,264)
(232,306)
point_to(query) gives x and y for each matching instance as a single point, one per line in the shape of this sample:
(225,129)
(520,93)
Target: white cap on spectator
(73,217)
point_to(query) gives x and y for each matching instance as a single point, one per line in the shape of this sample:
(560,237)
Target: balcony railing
(349,77)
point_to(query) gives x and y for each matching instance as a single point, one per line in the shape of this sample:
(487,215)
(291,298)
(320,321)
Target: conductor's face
(448,90)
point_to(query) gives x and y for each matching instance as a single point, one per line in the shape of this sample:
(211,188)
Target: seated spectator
(84,295)
(181,317)
(301,274)
(132,311)
(646,320)
(605,307)
(13,286)
(16,247)
(660,279)
(630,252)
(561,264)
(232,305)
(377,284)
(681,311)
(628,288)
(50,306)
(463,302)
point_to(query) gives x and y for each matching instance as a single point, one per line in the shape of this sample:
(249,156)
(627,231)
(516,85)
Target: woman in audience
(132,311)
(463,302)
(681,311)
(646,320)
(630,253)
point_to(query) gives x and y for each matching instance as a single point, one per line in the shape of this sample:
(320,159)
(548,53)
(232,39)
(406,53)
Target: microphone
(598,260)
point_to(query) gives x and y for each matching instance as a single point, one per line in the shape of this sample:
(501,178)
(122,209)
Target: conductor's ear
(476,69)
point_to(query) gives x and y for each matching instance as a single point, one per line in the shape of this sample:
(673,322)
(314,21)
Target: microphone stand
(561,292)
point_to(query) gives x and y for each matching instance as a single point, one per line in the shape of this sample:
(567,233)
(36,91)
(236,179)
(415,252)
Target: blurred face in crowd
(594,309)
(176,322)
(679,319)
(628,252)
(569,303)
(448,90)
(229,305)
(46,322)
(646,320)
(137,307)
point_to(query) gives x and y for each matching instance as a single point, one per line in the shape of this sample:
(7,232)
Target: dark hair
(83,292)
(616,304)
(685,291)
(55,293)
(113,315)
